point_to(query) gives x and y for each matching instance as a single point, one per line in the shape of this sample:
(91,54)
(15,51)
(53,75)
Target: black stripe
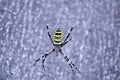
(37,60)
(43,61)
(67,36)
(45,55)
(53,49)
(66,58)
(70,65)
(47,28)
(71,29)
(49,34)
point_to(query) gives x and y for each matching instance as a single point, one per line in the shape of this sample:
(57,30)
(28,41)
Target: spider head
(58,35)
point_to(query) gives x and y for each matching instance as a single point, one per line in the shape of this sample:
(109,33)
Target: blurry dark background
(95,45)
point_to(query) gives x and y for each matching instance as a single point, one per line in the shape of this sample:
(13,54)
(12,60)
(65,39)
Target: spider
(58,43)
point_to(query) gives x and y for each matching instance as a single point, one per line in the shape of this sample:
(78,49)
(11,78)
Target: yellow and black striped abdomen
(58,36)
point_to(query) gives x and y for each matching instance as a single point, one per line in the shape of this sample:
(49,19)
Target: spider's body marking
(58,36)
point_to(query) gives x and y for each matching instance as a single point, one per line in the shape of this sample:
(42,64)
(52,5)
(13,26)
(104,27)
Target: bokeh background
(95,45)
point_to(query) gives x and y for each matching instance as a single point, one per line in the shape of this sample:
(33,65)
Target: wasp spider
(58,43)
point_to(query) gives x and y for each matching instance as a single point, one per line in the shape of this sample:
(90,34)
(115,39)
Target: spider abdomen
(58,36)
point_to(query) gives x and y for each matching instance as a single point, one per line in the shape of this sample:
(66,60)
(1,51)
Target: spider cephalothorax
(58,43)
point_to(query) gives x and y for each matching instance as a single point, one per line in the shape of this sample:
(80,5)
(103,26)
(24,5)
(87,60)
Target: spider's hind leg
(70,63)
(43,58)
(36,61)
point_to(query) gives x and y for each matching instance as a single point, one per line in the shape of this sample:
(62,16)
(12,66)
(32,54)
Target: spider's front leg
(49,35)
(43,58)
(65,42)
(70,63)
(66,38)
(68,34)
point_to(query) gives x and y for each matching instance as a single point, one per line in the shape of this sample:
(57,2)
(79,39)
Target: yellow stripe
(58,36)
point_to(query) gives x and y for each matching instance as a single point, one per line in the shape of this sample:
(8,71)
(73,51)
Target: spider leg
(68,34)
(36,61)
(49,35)
(70,63)
(64,43)
(44,57)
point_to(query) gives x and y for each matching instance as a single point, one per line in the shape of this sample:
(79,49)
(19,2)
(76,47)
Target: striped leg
(68,34)
(44,57)
(66,42)
(70,63)
(49,34)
